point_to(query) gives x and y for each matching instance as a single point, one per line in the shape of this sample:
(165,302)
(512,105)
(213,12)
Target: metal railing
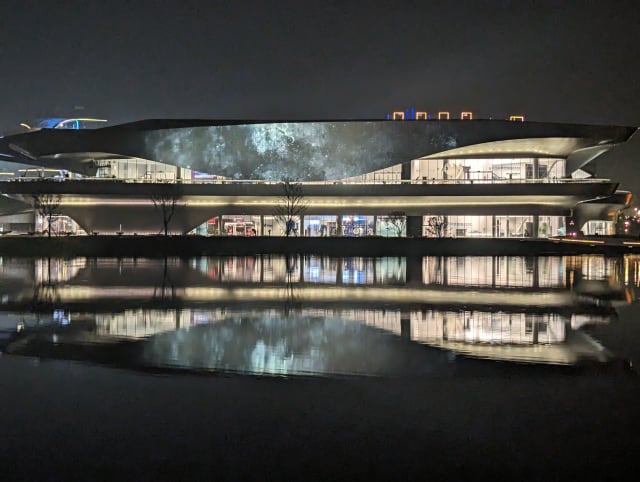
(313,183)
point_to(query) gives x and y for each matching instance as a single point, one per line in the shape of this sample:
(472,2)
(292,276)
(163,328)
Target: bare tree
(396,222)
(166,199)
(291,205)
(47,206)
(437,226)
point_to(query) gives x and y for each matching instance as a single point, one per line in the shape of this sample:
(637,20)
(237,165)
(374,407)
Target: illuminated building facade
(421,177)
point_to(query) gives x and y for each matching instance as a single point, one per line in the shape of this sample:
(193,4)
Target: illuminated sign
(398,115)
(466,115)
(443,116)
(421,115)
(516,118)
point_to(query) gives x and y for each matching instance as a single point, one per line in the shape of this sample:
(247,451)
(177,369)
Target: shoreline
(158,246)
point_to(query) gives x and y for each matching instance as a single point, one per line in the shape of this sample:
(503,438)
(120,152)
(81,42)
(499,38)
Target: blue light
(50,123)
(413,113)
(388,116)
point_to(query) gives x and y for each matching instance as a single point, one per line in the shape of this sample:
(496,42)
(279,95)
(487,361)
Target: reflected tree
(45,288)
(167,289)
(292,304)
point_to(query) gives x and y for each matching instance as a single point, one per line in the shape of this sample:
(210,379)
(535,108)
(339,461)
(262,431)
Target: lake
(174,366)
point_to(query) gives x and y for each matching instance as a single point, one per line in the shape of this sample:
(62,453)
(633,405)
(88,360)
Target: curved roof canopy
(313,150)
(546,147)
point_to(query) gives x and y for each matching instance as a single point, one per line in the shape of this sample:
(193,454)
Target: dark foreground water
(357,367)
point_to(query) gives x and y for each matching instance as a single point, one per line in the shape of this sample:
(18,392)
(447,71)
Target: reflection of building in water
(488,327)
(307,269)
(455,271)
(495,271)
(530,272)
(142,323)
(473,305)
(517,336)
(57,270)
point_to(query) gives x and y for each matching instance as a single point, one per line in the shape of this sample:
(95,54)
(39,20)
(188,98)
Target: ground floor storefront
(354,225)
(431,225)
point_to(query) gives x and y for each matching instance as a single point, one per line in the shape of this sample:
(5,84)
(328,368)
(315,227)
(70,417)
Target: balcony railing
(312,183)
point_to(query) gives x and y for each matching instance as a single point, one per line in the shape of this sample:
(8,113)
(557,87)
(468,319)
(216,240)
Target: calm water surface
(314,315)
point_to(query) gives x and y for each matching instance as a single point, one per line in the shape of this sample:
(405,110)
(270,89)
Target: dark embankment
(160,246)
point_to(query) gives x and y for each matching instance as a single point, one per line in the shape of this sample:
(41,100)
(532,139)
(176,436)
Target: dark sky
(566,61)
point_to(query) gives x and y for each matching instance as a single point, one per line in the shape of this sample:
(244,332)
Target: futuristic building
(422,177)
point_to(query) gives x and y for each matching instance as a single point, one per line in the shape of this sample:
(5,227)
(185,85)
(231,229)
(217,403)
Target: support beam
(405,325)
(414,270)
(414,226)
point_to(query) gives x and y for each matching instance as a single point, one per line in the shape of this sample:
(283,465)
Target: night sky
(565,61)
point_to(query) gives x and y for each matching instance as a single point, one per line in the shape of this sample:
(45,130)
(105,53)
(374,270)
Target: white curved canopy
(536,147)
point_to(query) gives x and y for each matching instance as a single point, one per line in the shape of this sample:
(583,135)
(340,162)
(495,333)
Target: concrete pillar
(414,226)
(536,164)
(261,258)
(262,225)
(220,225)
(339,271)
(339,225)
(494,268)
(405,171)
(302,232)
(536,273)
(405,325)
(414,270)
(536,226)
(375,225)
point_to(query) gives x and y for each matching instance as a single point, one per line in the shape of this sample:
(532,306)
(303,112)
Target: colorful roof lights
(412,114)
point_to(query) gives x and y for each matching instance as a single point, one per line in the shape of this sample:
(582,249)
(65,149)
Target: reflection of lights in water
(477,289)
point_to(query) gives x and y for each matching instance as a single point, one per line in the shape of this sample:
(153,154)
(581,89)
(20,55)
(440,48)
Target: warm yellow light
(466,115)
(6,173)
(421,115)
(517,118)
(443,116)
(25,125)
(398,115)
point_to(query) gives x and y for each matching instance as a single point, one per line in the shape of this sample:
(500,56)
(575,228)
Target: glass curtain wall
(141,170)
(492,226)
(487,170)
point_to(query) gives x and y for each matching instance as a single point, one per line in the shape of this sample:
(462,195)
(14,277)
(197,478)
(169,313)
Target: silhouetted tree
(47,206)
(437,226)
(291,205)
(166,199)
(396,221)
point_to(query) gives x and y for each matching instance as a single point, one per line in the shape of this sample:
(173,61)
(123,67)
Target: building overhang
(549,147)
